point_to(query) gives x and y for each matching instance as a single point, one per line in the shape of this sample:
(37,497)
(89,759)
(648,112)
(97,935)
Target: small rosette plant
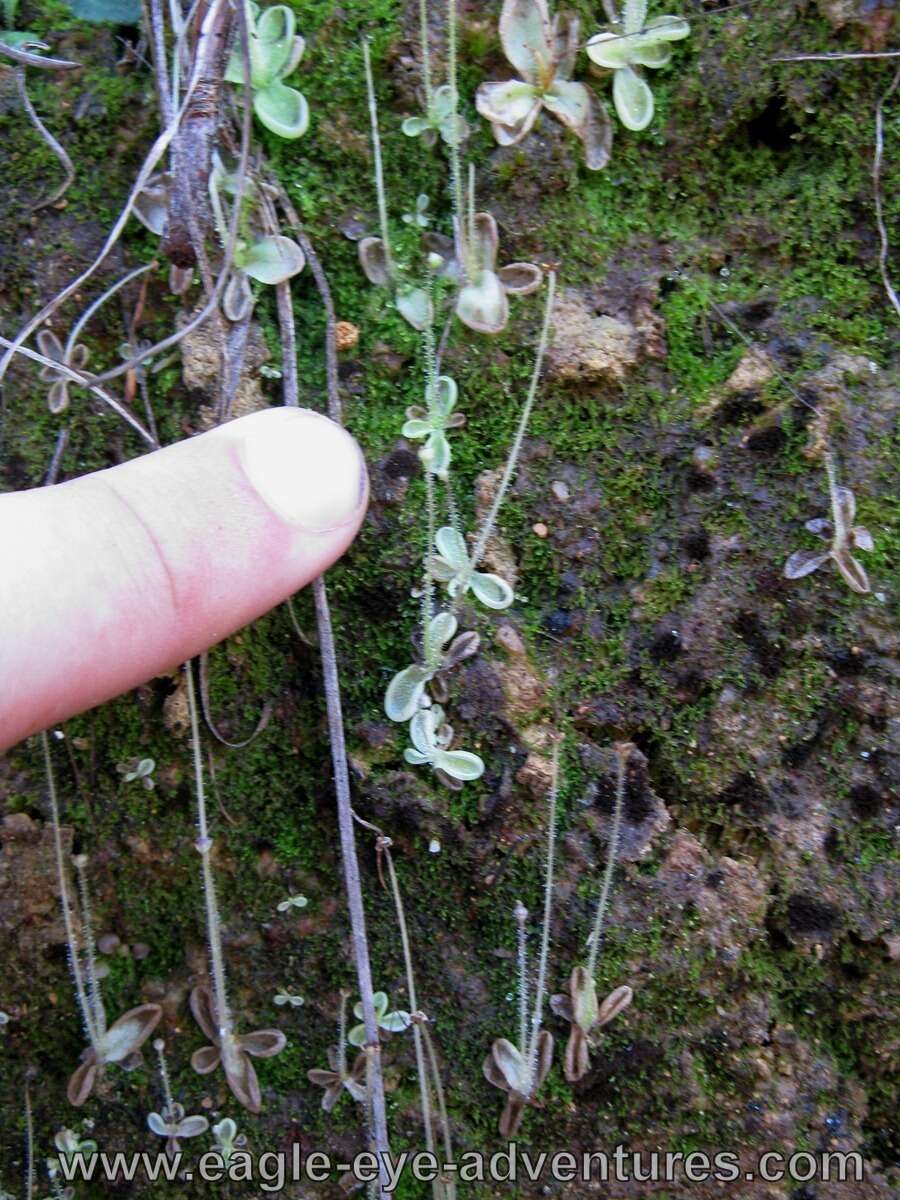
(391,1022)
(172,1124)
(543,52)
(635,42)
(586,1016)
(451,566)
(70,356)
(519,1075)
(266,258)
(482,302)
(439,121)
(272,260)
(844,537)
(431,736)
(116,1044)
(275,50)
(431,424)
(406,691)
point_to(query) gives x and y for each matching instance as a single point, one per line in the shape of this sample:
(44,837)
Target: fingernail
(306,468)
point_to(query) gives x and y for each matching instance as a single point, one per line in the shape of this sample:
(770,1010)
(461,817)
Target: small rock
(523,690)
(540,529)
(536,774)
(20,826)
(346,335)
(176,710)
(510,639)
(498,554)
(588,347)
(755,369)
(201,367)
(560,491)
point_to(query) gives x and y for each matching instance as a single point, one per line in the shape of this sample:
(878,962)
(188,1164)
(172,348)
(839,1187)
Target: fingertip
(306,468)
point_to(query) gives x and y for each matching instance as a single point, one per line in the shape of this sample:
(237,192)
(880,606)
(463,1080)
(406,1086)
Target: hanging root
(48,139)
(879,203)
(264,718)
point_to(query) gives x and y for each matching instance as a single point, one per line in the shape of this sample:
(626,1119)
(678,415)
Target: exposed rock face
(644,814)
(755,369)
(587,347)
(200,365)
(498,554)
(30,914)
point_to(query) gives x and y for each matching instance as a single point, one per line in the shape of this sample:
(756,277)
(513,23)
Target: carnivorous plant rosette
(172,1124)
(430,737)
(232,1051)
(406,691)
(483,302)
(431,424)
(71,356)
(451,566)
(267,258)
(543,52)
(635,42)
(440,119)
(471,260)
(843,535)
(395,1021)
(519,1075)
(586,1016)
(112,1045)
(275,50)
(339,1078)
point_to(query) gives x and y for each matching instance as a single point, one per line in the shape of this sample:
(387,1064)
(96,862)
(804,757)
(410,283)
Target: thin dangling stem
(87,1014)
(439,1093)
(380,192)
(29,1145)
(157,22)
(623,749)
(487,527)
(342,1035)
(541,985)
(49,140)
(384,845)
(431,393)
(453,508)
(455,165)
(840,531)
(430,353)
(426,53)
(427,575)
(204,848)
(471,204)
(324,290)
(79,861)
(352,881)
(160,1047)
(884,249)
(521,915)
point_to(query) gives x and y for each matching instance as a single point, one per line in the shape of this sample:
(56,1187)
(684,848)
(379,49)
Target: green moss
(665,592)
